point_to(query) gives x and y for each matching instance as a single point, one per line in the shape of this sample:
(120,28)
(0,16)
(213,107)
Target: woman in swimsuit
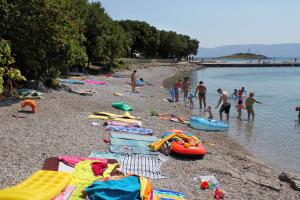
(249,105)
(185,87)
(201,89)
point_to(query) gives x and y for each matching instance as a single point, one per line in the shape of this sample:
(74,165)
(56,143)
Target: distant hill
(245,56)
(274,50)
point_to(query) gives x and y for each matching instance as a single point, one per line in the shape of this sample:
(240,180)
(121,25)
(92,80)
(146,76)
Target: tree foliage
(152,42)
(48,36)
(6,60)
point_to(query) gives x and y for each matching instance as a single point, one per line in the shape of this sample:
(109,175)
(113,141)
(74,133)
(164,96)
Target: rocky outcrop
(293,179)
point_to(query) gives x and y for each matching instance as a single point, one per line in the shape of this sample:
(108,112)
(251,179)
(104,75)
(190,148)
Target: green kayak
(122,106)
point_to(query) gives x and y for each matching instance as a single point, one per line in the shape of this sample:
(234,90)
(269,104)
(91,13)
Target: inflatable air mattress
(207,125)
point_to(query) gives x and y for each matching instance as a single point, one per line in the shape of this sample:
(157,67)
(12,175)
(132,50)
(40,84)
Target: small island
(244,56)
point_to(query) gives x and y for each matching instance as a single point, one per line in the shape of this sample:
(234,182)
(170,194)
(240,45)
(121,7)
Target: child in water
(210,115)
(249,105)
(190,97)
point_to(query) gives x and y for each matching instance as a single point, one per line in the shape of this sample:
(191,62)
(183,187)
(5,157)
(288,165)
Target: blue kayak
(207,125)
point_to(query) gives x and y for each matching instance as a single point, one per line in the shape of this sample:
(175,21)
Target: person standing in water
(224,97)
(133,80)
(241,94)
(298,110)
(249,105)
(185,87)
(201,89)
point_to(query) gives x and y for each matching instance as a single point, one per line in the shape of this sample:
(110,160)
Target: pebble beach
(61,127)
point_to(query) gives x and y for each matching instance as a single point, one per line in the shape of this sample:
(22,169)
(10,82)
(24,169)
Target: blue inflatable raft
(207,125)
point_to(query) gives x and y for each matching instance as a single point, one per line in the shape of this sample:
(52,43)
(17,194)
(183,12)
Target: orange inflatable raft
(186,145)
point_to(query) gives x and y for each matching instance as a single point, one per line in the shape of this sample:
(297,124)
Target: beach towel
(141,131)
(73,160)
(115,123)
(130,143)
(29,94)
(168,195)
(144,165)
(125,187)
(129,136)
(107,155)
(120,149)
(83,176)
(93,82)
(71,81)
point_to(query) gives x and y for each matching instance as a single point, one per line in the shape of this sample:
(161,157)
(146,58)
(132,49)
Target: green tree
(45,38)
(6,60)
(106,40)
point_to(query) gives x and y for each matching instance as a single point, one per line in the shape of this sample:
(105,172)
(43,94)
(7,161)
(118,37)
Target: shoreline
(60,127)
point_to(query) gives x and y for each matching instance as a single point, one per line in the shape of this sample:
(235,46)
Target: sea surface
(274,135)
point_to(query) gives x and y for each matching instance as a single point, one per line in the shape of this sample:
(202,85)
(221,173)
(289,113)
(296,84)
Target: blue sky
(217,22)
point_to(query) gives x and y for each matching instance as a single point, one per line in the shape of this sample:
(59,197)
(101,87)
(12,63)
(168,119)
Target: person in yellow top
(249,105)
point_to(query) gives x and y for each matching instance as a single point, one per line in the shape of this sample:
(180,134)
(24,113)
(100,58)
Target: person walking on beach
(224,97)
(249,105)
(177,86)
(201,89)
(133,81)
(185,87)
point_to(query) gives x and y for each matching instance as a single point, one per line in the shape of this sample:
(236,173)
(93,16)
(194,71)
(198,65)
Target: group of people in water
(239,97)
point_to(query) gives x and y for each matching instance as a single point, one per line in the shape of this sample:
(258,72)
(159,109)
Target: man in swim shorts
(201,89)
(224,97)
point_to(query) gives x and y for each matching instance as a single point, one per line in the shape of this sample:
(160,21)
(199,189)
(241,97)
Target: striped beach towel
(147,166)
(168,194)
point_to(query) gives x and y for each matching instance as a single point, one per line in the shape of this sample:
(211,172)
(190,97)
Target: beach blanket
(29,94)
(143,165)
(133,137)
(107,155)
(131,143)
(122,149)
(93,82)
(168,194)
(83,92)
(115,123)
(141,131)
(147,166)
(71,81)
(127,187)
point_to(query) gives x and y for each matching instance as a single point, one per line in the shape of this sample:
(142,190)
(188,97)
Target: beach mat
(168,194)
(129,136)
(131,143)
(123,149)
(135,130)
(107,155)
(143,165)
(70,81)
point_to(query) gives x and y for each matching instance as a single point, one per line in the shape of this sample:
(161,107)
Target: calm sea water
(274,136)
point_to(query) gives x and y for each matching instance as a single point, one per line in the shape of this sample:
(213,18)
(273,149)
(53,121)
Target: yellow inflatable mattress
(42,185)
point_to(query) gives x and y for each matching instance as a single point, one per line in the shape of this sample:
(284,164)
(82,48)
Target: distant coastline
(244,56)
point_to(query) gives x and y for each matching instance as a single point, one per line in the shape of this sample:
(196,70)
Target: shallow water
(274,135)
